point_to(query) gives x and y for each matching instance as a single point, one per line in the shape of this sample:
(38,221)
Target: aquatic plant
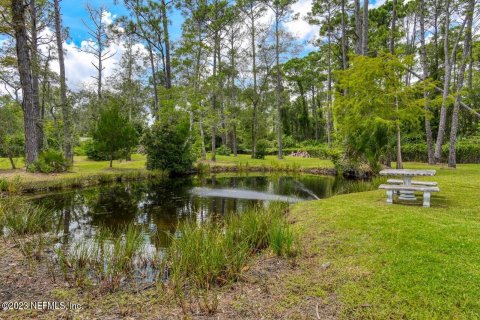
(205,255)
(21,217)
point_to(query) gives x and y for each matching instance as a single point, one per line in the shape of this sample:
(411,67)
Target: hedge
(468,151)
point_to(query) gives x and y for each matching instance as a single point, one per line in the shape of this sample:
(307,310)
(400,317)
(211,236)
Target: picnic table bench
(427,191)
(407,187)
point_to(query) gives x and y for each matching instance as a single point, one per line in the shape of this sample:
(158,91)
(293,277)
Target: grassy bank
(398,261)
(83,173)
(244,162)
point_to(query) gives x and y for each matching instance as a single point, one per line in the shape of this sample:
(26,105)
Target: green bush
(168,146)
(82,147)
(288,142)
(262,146)
(49,161)
(93,154)
(224,151)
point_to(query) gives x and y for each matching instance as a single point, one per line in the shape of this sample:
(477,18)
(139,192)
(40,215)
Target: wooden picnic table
(407,175)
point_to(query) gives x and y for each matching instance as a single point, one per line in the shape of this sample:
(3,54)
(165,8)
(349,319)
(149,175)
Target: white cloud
(107,17)
(300,28)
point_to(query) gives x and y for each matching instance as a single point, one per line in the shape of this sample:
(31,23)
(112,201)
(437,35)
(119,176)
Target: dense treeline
(399,73)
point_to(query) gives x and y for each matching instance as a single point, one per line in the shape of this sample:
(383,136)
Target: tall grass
(21,217)
(207,255)
(200,258)
(104,259)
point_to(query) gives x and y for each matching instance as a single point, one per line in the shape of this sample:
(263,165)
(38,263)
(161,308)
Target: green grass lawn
(84,172)
(5,163)
(82,164)
(245,159)
(395,261)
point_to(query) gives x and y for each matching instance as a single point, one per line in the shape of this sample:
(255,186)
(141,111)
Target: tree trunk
(25,72)
(278,86)
(365,28)
(315,113)
(214,96)
(423,58)
(67,124)
(154,81)
(35,72)
(344,37)
(392,32)
(12,163)
(358,28)
(446,83)
(254,74)
(202,136)
(234,141)
(166,38)
(111,160)
(452,159)
(99,77)
(399,164)
(435,39)
(329,85)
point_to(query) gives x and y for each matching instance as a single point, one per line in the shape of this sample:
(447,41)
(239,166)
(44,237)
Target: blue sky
(74,11)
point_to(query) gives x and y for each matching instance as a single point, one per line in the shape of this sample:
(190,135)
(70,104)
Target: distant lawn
(83,164)
(5,163)
(394,261)
(84,172)
(244,159)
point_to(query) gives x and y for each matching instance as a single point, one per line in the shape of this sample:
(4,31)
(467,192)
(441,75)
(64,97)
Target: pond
(160,206)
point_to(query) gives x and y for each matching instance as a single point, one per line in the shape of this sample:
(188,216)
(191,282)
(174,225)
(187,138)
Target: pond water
(160,206)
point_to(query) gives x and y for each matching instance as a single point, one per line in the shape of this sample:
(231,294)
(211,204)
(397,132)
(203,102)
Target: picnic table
(407,175)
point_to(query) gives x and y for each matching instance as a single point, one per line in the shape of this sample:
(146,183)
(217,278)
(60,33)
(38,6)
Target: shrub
(352,165)
(288,142)
(168,146)
(49,161)
(224,151)
(262,146)
(93,154)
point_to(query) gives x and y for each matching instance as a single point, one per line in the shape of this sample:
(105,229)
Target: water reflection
(159,206)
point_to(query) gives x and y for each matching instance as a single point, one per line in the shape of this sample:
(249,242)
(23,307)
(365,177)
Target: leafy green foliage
(223,150)
(89,148)
(168,145)
(467,151)
(12,139)
(113,132)
(375,102)
(49,161)
(262,146)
